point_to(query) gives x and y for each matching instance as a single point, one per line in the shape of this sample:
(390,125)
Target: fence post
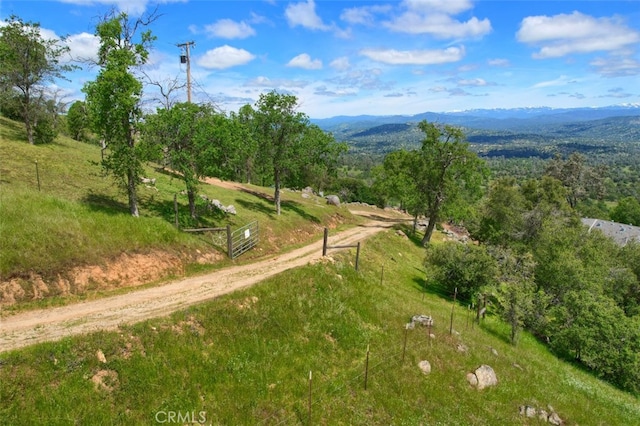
(455,294)
(404,348)
(484,306)
(357,255)
(310,381)
(229,242)
(366,369)
(38,175)
(175,209)
(324,242)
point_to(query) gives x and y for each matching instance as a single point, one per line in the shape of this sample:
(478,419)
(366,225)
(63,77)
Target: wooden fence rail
(325,247)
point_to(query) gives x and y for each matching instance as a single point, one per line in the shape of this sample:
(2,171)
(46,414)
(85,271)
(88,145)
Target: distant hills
(495,119)
(519,132)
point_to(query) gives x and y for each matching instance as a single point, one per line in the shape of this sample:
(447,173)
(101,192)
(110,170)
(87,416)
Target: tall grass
(45,234)
(245,359)
(65,212)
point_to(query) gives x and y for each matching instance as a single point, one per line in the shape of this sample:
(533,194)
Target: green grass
(77,216)
(245,359)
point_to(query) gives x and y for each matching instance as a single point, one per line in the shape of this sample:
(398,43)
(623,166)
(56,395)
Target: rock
(101,357)
(425,366)
(401,234)
(308,190)
(424,320)
(231,209)
(554,419)
(472,379)
(494,352)
(543,415)
(486,377)
(528,411)
(334,200)
(305,195)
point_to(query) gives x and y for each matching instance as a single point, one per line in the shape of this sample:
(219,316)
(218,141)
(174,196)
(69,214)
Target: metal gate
(243,239)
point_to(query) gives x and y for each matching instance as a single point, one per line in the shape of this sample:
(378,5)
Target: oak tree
(113,98)
(193,140)
(28,61)
(287,143)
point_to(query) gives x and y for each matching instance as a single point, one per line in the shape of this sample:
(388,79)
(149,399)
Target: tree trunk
(434,212)
(131,190)
(26,115)
(276,196)
(29,127)
(191,194)
(429,231)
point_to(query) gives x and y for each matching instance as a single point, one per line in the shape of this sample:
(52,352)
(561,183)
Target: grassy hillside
(63,212)
(245,359)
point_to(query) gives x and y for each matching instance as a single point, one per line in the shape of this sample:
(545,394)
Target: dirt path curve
(52,324)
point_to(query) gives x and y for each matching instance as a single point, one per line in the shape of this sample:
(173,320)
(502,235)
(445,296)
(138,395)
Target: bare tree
(167,88)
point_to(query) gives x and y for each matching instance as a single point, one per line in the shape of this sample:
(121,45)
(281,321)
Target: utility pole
(186,59)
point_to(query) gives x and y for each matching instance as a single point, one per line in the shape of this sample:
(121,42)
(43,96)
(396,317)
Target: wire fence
(321,394)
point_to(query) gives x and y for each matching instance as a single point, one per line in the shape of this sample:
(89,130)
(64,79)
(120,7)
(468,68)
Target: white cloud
(132,7)
(617,92)
(324,91)
(304,61)
(304,15)
(340,64)
(477,82)
(225,57)
(439,25)
(564,34)
(365,79)
(415,57)
(438,89)
(450,7)
(363,15)
(262,81)
(616,66)
(563,80)
(467,67)
(357,15)
(230,29)
(499,62)
(435,17)
(83,47)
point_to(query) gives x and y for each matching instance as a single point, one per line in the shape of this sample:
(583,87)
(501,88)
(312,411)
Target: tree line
(270,143)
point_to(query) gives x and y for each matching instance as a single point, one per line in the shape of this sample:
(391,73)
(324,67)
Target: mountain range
(493,130)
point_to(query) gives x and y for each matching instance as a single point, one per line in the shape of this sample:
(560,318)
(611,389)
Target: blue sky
(374,57)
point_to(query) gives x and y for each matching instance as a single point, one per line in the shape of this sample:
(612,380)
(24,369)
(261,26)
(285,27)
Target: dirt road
(32,327)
